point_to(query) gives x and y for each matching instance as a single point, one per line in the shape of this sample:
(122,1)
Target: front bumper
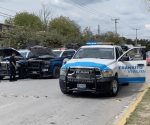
(38,68)
(101,85)
(39,72)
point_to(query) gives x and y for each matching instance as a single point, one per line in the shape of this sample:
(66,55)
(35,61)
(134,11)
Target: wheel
(22,74)
(1,77)
(63,88)
(56,72)
(114,87)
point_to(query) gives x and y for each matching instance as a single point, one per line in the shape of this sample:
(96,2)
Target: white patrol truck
(102,68)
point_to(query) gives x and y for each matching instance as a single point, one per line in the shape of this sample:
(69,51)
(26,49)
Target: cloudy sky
(132,13)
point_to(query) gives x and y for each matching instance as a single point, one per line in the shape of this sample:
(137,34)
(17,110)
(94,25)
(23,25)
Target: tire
(22,74)
(63,88)
(114,88)
(56,72)
(1,77)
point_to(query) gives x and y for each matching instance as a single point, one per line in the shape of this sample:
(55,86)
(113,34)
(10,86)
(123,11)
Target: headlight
(107,73)
(63,72)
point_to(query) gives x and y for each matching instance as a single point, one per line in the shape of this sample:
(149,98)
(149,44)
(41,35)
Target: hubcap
(114,86)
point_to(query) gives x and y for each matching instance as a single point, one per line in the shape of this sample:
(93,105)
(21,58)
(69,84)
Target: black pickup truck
(44,63)
(21,63)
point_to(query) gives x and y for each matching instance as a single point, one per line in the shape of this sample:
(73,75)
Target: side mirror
(125,58)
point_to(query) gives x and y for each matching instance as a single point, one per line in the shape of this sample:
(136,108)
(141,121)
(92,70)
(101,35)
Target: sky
(132,14)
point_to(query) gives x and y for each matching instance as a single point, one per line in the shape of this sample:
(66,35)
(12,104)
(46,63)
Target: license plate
(34,72)
(81,86)
(44,70)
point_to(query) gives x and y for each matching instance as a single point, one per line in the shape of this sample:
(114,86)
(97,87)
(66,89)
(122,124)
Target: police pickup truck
(102,68)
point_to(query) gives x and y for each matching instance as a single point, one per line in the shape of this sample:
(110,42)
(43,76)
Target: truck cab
(102,68)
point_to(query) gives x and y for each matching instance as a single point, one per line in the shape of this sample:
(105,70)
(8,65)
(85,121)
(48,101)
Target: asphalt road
(40,102)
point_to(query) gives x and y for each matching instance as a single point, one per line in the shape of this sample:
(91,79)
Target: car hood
(41,51)
(89,62)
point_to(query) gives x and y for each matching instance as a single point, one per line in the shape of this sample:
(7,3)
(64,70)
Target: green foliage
(28,20)
(28,29)
(65,27)
(18,37)
(110,37)
(9,21)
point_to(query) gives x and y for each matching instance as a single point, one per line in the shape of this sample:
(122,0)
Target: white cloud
(147,25)
(132,13)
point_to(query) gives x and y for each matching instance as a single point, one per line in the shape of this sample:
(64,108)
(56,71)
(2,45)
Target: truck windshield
(102,53)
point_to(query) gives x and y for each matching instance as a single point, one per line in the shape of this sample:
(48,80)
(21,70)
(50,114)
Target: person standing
(12,63)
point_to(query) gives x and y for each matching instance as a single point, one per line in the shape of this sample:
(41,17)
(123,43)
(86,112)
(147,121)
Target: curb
(132,106)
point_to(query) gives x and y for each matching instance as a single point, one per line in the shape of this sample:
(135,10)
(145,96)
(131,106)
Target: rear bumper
(100,86)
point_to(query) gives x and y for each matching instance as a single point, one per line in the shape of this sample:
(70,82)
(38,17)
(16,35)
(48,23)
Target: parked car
(44,63)
(64,53)
(102,68)
(26,53)
(21,63)
(148,58)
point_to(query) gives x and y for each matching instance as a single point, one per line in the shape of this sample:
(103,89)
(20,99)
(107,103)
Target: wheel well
(56,65)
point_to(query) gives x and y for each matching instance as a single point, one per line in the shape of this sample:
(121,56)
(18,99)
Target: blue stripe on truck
(86,64)
(132,80)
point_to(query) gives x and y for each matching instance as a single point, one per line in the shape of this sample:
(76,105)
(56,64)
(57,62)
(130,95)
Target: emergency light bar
(99,43)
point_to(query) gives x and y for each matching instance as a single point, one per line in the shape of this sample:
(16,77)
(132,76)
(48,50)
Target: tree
(19,37)
(45,15)
(9,21)
(28,20)
(65,27)
(111,37)
(87,34)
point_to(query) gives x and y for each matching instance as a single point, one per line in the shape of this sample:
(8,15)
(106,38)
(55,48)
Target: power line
(91,9)
(8,9)
(5,14)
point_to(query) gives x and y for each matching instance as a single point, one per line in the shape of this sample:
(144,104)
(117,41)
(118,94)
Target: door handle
(140,65)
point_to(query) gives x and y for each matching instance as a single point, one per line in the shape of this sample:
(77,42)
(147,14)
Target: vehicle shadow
(124,91)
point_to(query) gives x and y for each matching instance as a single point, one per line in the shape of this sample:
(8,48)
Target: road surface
(40,102)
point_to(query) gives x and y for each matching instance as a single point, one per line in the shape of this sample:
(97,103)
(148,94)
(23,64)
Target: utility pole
(116,21)
(136,32)
(98,29)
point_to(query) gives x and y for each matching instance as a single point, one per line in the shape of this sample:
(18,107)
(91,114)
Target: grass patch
(141,116)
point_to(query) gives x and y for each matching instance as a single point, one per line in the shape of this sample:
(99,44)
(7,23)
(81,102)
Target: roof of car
(23,50)
(64,50)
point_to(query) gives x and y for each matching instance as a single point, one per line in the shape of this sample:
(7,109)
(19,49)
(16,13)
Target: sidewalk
(141,115)
(138,112)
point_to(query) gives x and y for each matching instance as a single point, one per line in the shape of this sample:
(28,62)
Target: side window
(120,51)
(117,53)
(135,54)
(71,53)
(30,55)
(68,53)
(65,53)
